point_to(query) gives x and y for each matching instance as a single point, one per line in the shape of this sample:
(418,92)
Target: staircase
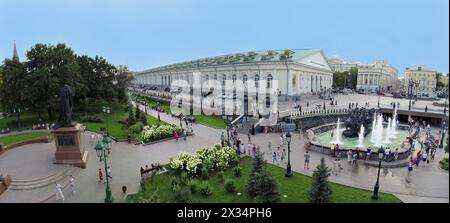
(42,182)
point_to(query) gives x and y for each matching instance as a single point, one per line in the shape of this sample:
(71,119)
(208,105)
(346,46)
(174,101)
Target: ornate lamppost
(106,110)
(103,152)
(377,184)
(288,167)
(379,94)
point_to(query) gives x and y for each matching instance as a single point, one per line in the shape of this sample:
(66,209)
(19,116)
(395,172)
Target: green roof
(422,68)
(242,58)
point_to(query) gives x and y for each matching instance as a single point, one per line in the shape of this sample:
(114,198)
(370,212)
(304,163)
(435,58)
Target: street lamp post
(441,143)
(288,167)
(379,93)
(324,93)
(102,152)
(107,110)
(377,184)
(157,108)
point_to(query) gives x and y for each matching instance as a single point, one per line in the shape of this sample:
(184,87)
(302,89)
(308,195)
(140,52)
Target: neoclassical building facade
(301,71)
(370,76)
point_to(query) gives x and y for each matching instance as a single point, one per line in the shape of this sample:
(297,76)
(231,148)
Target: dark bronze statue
(356,118)
(65,107)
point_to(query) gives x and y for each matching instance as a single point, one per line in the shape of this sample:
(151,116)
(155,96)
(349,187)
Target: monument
(356,118)
(69,148)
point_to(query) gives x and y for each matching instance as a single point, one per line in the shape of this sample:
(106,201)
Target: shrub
(183,195)
(229,186)
(221,176)
(444,163)
(136,128)
(138,112)
(206,189)
(237,171)
(91,119)
(204,173)
(184,178)
(174,183)
(193,186)
(143,119)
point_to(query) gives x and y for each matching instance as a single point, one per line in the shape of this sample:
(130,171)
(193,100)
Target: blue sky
(145,34)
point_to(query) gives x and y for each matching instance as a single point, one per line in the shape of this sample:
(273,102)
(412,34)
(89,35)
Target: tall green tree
(257,168)
(320,190)
(267,188)
(353,78)
(49,69)
(13,87)
(123,78)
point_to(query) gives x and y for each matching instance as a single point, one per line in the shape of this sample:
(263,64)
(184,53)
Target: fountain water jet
(388,131)
(394,124)
(374,124)
(361,137)
(378,131)
(337,133)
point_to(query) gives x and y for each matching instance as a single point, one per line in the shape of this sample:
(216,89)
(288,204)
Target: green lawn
(116,129)
(211,121)
(296,189)
(26,121)
(150,102)
(444,164)
(11,139)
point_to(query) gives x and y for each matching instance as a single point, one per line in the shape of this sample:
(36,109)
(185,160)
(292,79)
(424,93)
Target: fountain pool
(324,138)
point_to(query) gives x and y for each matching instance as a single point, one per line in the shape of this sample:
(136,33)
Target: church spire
(15,54)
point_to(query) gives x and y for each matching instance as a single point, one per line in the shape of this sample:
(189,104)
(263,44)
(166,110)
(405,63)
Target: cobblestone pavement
(427,183)
(372,99)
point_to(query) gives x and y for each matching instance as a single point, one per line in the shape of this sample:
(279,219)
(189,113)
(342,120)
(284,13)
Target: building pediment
(317,60)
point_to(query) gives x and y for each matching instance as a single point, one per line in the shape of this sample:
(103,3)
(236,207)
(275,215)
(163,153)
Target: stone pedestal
(5,181)
(69,148)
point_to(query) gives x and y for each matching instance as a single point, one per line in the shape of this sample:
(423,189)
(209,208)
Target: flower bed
(213,158)
(154,132)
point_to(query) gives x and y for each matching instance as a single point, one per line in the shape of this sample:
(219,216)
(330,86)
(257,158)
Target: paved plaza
(427,183)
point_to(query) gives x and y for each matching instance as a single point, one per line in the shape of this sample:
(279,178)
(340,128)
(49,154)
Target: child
(283,155)
(274,157)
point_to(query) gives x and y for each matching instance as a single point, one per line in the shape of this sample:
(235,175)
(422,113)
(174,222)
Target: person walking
(100,175)
(425,158)
(307,156)
(184,134)
(281,140)
(354,158)
(175,134)
(396,154)
(283,155)
(108,172)
(269,146)
(72,183)
(249,138)
(274,157)
(349,156)
(59,193)
(410,169)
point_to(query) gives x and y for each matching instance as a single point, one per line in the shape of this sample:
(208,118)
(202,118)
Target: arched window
(257,80)
(234,78)
(244,78)
(207,77)
(269,81)
(224,78)
(215,77)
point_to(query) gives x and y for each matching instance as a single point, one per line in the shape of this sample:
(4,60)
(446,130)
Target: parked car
(397,95)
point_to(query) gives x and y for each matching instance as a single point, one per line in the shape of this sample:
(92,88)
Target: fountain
(337,133)
(361,137)
(374,123)
(394,124)
(378,131)
(388,131)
